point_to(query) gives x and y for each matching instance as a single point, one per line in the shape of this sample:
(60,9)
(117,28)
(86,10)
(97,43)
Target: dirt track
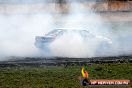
(63,61)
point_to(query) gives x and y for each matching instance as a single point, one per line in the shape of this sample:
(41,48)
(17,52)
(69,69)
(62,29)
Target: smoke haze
(18,31)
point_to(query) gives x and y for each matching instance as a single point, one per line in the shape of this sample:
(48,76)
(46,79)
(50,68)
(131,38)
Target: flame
(84,73)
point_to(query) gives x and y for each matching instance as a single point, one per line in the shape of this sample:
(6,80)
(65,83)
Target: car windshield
(55,32)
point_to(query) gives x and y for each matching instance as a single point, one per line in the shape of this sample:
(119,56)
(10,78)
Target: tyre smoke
(18,29)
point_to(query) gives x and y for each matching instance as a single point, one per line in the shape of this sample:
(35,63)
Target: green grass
(62,77)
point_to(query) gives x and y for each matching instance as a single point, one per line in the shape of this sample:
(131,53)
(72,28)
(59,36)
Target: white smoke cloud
(111,39)
(73,45)
(18,31)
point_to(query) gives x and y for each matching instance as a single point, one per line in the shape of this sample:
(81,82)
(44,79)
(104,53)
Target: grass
(62,77)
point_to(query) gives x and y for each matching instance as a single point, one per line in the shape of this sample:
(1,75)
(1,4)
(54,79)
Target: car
(43,42)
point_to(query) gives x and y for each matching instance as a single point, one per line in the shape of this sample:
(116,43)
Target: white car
(43,42)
